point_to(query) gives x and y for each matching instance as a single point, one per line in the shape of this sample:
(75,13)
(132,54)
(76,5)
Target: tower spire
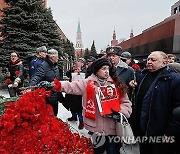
(131,34)
(79,52)
(114,41)
(78,37)
(79,27)
(114,34)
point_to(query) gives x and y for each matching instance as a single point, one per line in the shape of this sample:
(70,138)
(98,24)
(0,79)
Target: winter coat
(47,71)
(158,103)
(34,64)
(125,72)
(13,68)
(73,102)
(100,124)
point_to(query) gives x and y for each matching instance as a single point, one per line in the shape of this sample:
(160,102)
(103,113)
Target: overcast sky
(98,18)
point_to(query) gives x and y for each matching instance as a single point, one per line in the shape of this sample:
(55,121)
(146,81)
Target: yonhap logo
(98,139)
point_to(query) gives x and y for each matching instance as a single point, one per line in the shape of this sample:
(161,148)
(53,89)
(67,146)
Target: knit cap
(52,52)
(98,63)
(41,49)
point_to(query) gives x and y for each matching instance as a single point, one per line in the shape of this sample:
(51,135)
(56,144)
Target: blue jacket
(158,104)
(47,71)
(34,64)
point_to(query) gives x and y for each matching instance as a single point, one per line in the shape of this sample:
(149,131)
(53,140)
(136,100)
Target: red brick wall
(159,32)
(2,5)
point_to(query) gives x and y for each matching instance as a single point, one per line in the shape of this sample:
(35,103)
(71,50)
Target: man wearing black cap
(37,60)
(127,58)
(124,72)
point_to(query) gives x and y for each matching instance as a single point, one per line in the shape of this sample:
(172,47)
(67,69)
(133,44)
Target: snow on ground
(4,93)
(63,114)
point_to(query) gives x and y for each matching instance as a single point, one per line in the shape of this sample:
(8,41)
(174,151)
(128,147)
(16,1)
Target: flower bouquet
(29,126)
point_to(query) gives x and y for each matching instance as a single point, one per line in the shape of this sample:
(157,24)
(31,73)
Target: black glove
(115,116)
(45,84)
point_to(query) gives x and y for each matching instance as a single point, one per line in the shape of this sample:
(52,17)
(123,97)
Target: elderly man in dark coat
(48,71)
(157,96)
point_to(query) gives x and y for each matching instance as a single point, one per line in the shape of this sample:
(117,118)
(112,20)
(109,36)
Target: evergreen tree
(26,25)
(86,54)
(69,49)
(93,52)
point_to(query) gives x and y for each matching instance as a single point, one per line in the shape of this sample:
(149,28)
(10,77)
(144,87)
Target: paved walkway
(4,93)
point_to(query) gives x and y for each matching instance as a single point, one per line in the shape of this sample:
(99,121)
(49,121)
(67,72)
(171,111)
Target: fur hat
(117,50)
(41,49)
(98,63)
(52,52)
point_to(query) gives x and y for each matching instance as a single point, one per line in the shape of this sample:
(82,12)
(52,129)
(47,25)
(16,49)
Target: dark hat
(117,50)
(98,63)
(91,59)
(52,52)
(41,49)
(126,55)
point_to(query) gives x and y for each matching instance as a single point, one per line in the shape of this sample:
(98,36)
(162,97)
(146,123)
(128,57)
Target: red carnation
(8,81)
(28,126)
(136,66)
(57,85)
(17,72)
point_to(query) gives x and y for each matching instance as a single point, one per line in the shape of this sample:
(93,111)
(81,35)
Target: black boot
(72,119)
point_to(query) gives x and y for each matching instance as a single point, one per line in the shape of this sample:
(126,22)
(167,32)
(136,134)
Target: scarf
(15,62)
(105,106)
(90,110)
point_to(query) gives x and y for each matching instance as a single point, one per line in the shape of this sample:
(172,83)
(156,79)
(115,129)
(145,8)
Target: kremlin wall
(163,36)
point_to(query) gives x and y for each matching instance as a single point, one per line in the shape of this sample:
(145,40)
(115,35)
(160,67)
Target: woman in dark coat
(15,71)
(74,102)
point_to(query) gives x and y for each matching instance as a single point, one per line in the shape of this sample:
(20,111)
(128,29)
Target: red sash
(90,111)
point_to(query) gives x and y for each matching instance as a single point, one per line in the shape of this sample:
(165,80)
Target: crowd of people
(145,92)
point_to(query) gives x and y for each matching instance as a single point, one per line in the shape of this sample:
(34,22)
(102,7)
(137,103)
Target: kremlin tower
(114,41)
(79,51)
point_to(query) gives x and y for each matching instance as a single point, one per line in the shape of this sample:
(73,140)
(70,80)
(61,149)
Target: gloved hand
(15,84)
(114,115)
(45,84)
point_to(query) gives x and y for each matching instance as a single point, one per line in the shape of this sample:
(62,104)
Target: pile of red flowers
(29,126)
